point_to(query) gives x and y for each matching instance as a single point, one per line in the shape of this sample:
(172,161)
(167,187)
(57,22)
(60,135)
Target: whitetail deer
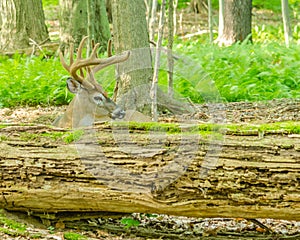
(91,102)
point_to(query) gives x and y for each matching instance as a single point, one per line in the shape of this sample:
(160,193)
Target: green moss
(153,126)
(73,236)
(167,127)
(289,127)
(285,127)
(54,135)
(26,136)
(66,137)
(3,138)
(70,137)
(209,128)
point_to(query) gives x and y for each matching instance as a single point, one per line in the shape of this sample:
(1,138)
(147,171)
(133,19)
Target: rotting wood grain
(253,176)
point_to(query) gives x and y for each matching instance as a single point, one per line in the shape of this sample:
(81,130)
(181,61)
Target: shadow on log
(187,170)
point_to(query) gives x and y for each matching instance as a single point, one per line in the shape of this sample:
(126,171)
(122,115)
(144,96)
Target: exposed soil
(238,112)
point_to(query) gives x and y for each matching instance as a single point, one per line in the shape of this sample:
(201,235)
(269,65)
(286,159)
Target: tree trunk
(102,29)
(237,22)
(139,168)
(154,85)
(288,36)
(221,19)
(152,20)
(133,85)
(210,21)
(76,23)
(198,6)
(109,10)
(171,33)
(22,22)
(130,33)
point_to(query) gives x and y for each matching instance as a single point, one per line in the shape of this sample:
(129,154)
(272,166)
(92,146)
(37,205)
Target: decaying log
(116,168)
(47,49)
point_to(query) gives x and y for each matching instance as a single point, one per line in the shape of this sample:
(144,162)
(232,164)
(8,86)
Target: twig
(263,226)
(153,92)
(35,44)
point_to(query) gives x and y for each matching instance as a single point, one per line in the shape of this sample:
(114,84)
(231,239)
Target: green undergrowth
(74,236)
(264,70)
(47,3)
(241,72)
(11,227)
(204,72)
(17,230)
(32,81)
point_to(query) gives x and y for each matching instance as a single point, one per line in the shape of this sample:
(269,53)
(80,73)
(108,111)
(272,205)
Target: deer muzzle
(118,113)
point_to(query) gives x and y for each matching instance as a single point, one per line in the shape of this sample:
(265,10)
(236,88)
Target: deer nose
(118,113)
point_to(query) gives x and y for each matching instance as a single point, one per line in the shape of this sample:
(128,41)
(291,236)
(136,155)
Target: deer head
(91,102)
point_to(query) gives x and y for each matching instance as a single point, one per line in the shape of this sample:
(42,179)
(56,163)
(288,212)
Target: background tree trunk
(154,85)
(75,22)
(221,19)
(152,20)
(198,6)
(171,32)
(210,21)
(109,10)
(21,20)
(133,85)
(288,36)
(255,175)
(237,22)
(130,33)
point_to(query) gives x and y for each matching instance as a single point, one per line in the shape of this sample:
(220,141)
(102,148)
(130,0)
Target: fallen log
(190,170)
(45,49)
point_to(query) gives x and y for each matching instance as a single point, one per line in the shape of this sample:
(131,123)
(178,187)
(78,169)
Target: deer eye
(98,98)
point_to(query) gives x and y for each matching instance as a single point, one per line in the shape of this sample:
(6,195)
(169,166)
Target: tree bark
(198,6)
(134,76)
(78,20)
(130,33)
(288,35)
(171,33)
(221,18)
(210,21)
(109,10)
(21,22)
(152,20)
(248,174)
(237,22)
(154,86)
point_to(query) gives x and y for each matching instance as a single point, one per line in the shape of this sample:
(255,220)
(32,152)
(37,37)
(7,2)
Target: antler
(93,60)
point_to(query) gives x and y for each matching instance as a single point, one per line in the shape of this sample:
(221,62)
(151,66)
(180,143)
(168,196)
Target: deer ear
(73,85)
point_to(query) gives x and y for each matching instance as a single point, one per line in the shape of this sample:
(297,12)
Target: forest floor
(144,226)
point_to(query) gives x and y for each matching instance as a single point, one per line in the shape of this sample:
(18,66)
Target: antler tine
(79,51)
(62,59)
(71,54)
(110,61)
(109,48)
(94,53)
(86,64)
(80,63)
